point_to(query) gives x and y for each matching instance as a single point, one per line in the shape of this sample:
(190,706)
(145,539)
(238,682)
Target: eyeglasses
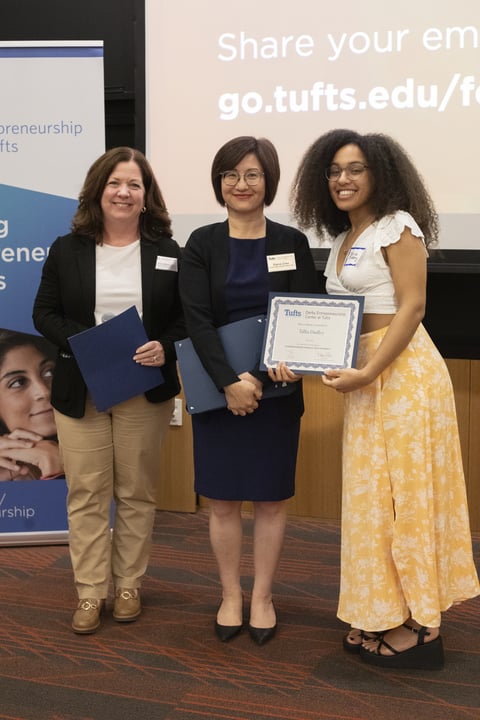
(231,177)
(352,171)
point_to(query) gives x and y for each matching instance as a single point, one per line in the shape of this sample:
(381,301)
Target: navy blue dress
(251,457)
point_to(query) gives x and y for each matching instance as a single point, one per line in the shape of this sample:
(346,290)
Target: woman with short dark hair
(248,450)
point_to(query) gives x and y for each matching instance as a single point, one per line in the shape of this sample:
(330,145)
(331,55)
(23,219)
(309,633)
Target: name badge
(284,261)
(166,263)
(354,255)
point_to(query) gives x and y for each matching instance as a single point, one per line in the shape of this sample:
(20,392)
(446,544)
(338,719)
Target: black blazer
(65,305)
(202,287)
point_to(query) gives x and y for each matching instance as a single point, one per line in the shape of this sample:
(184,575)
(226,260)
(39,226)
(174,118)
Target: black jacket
(202,286)
(65,305)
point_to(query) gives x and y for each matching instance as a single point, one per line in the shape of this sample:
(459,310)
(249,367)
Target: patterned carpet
(170,666)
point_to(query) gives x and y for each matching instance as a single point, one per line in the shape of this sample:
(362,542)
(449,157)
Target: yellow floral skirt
(406,543)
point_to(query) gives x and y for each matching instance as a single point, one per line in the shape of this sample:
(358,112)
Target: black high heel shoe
(262,635)
(226,632)
(422,656)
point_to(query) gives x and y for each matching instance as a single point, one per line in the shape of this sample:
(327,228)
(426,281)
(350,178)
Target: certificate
(311,333)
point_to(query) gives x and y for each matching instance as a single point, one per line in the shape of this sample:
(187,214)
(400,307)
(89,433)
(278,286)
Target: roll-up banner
(52,128)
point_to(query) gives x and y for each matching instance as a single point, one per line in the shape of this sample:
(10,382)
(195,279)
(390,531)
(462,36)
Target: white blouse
(118,283)
(364,270)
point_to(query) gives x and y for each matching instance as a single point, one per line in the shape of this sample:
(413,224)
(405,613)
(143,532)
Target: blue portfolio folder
(104,355)
(242,342)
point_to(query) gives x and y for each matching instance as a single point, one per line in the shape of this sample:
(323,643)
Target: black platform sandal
(355,647)
(422,656)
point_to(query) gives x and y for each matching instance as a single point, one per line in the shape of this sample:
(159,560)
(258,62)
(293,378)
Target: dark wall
(120,24)
(451,316)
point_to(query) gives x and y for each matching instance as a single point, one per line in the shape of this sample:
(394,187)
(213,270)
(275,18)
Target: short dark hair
(234,151)
(88,219)
(396,184)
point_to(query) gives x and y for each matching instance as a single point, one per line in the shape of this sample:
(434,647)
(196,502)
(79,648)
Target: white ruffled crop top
(364,270)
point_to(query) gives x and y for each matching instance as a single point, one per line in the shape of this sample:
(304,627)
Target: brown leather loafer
(86,618)
(126,606)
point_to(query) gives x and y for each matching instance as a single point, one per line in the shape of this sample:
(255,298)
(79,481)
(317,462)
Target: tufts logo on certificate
(311,332)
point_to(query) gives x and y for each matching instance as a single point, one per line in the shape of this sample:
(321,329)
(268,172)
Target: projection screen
(291,71)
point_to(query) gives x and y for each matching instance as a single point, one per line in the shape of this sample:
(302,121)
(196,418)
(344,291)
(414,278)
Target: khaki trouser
(107,456)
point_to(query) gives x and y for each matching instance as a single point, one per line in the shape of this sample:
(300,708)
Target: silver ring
(155,358)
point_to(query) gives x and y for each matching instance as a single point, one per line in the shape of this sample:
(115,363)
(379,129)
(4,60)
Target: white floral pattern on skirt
(406,543)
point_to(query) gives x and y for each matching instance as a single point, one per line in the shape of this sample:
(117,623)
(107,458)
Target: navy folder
(104,355)
(242,342)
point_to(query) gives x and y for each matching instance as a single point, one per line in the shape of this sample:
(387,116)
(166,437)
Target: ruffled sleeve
(389,229)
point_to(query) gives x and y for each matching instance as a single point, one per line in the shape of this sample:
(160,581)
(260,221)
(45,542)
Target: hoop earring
(144,209)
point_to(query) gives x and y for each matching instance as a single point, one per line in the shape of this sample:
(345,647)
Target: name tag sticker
(354,255)
(284,261)
(166,263)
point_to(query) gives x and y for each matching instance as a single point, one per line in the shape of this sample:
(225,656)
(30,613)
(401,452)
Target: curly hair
(234,151)
(396,184)
(88,219)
